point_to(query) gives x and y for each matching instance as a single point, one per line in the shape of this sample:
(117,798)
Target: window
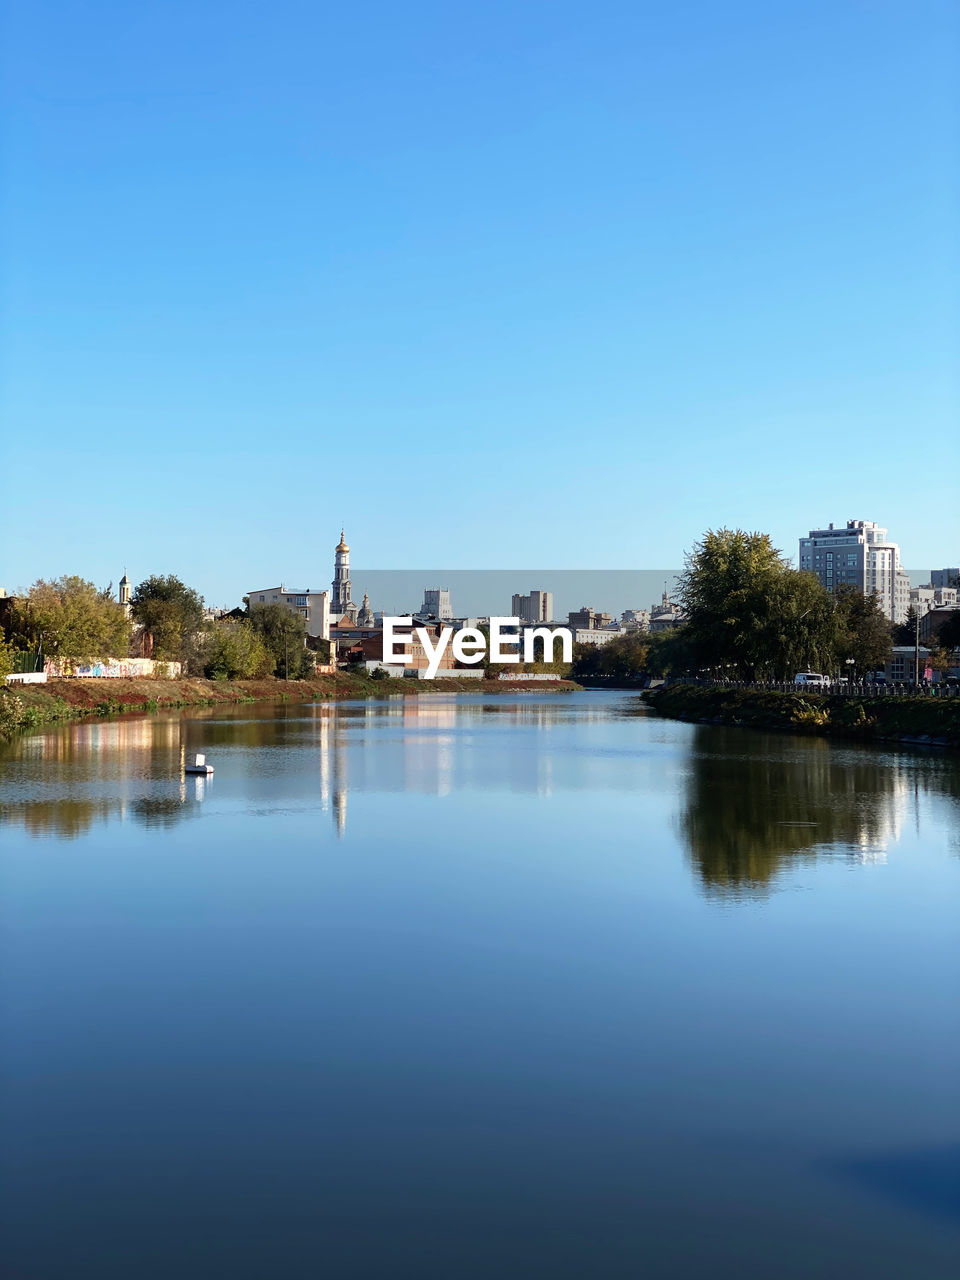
(301,599)
(262,598)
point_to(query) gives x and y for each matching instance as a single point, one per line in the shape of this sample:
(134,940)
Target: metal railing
(835,688)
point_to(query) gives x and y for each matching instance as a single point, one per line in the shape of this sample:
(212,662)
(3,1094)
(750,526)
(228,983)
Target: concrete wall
(111,668)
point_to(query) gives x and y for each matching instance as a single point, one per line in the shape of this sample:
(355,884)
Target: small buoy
(199,765)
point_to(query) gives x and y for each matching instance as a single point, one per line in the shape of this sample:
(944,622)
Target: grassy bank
(33,706)
(887,719)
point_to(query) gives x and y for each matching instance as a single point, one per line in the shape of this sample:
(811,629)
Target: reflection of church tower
(333,768)
(341,601)
(365,616)
(124,595)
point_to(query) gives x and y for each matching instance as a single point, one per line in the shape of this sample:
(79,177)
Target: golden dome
(342,546)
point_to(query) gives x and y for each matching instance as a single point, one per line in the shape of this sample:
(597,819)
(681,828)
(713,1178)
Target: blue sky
(493,284)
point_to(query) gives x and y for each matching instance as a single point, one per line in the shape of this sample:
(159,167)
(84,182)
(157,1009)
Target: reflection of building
(99,771)
(858,555)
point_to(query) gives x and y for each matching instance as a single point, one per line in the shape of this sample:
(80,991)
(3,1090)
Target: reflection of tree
(161,811)
(64,817)
(755,801)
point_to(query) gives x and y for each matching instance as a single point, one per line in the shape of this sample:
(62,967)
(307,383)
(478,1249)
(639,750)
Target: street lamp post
(916,648)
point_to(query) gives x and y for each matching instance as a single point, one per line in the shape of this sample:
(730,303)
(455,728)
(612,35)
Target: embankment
(33,706)
(924,721)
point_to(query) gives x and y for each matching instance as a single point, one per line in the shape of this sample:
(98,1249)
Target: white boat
(199,765)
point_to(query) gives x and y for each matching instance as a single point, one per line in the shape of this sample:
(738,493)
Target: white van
(812,679)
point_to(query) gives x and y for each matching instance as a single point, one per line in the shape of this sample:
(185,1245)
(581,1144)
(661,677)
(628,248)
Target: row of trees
(747,613)
(69,617)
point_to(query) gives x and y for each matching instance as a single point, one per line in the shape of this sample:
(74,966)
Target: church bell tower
(340,601)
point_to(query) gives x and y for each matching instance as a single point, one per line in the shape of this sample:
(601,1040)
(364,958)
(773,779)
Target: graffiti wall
(112,668)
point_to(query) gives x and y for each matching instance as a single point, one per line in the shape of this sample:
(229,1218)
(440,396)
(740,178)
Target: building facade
(340,600)
(535,607)
(923,599)
(944,577)
(586,619)
(313,606)
(858,554)
(437,604)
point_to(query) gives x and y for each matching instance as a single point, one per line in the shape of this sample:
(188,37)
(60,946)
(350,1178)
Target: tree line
(749,615)
(70,618)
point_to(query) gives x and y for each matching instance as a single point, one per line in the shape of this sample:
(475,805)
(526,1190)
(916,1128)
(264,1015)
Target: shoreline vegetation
(36,706)
(912,721)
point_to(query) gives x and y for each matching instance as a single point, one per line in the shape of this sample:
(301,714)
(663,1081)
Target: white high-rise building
(859,553)
(437,604)
(536,607)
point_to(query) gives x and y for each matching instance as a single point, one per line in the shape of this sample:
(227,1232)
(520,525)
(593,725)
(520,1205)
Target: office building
(535,607)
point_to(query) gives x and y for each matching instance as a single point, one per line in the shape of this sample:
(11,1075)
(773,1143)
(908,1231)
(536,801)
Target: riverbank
(921,721)
(33,706)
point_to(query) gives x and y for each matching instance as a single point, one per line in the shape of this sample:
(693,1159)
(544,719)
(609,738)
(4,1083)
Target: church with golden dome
(321,610)
(343,609)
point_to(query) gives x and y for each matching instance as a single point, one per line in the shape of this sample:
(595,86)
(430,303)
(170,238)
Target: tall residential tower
(860,555)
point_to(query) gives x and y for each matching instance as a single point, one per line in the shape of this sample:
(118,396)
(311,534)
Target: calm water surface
(436,987)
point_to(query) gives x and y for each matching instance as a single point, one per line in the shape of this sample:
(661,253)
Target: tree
(728,592)
(284,633)
(232,650)
(7,653)
(748,612)
(170,611)
(801,627)
(862,631)
(905,632)
(68,617)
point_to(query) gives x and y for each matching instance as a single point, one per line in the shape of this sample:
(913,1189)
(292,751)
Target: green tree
(69,617)
(7,653)
(862,631)
(748,612)
(170,611)
(232,650)
(727,592)
(800,630)
(905,632)
(284,633)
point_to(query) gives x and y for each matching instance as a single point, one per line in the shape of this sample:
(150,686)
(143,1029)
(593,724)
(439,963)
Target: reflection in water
(754,801)
(496,1005)
(749,802)
(95,772)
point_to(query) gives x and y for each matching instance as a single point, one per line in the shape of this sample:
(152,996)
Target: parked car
(812,679)
(876,677)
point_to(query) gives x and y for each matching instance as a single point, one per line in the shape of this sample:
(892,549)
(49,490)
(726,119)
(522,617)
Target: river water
(536,986)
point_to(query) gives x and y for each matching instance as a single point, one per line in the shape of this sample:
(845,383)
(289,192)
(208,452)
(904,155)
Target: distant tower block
(124,595)
(341,602)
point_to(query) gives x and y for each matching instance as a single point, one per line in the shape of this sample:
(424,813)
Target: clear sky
(493,284)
